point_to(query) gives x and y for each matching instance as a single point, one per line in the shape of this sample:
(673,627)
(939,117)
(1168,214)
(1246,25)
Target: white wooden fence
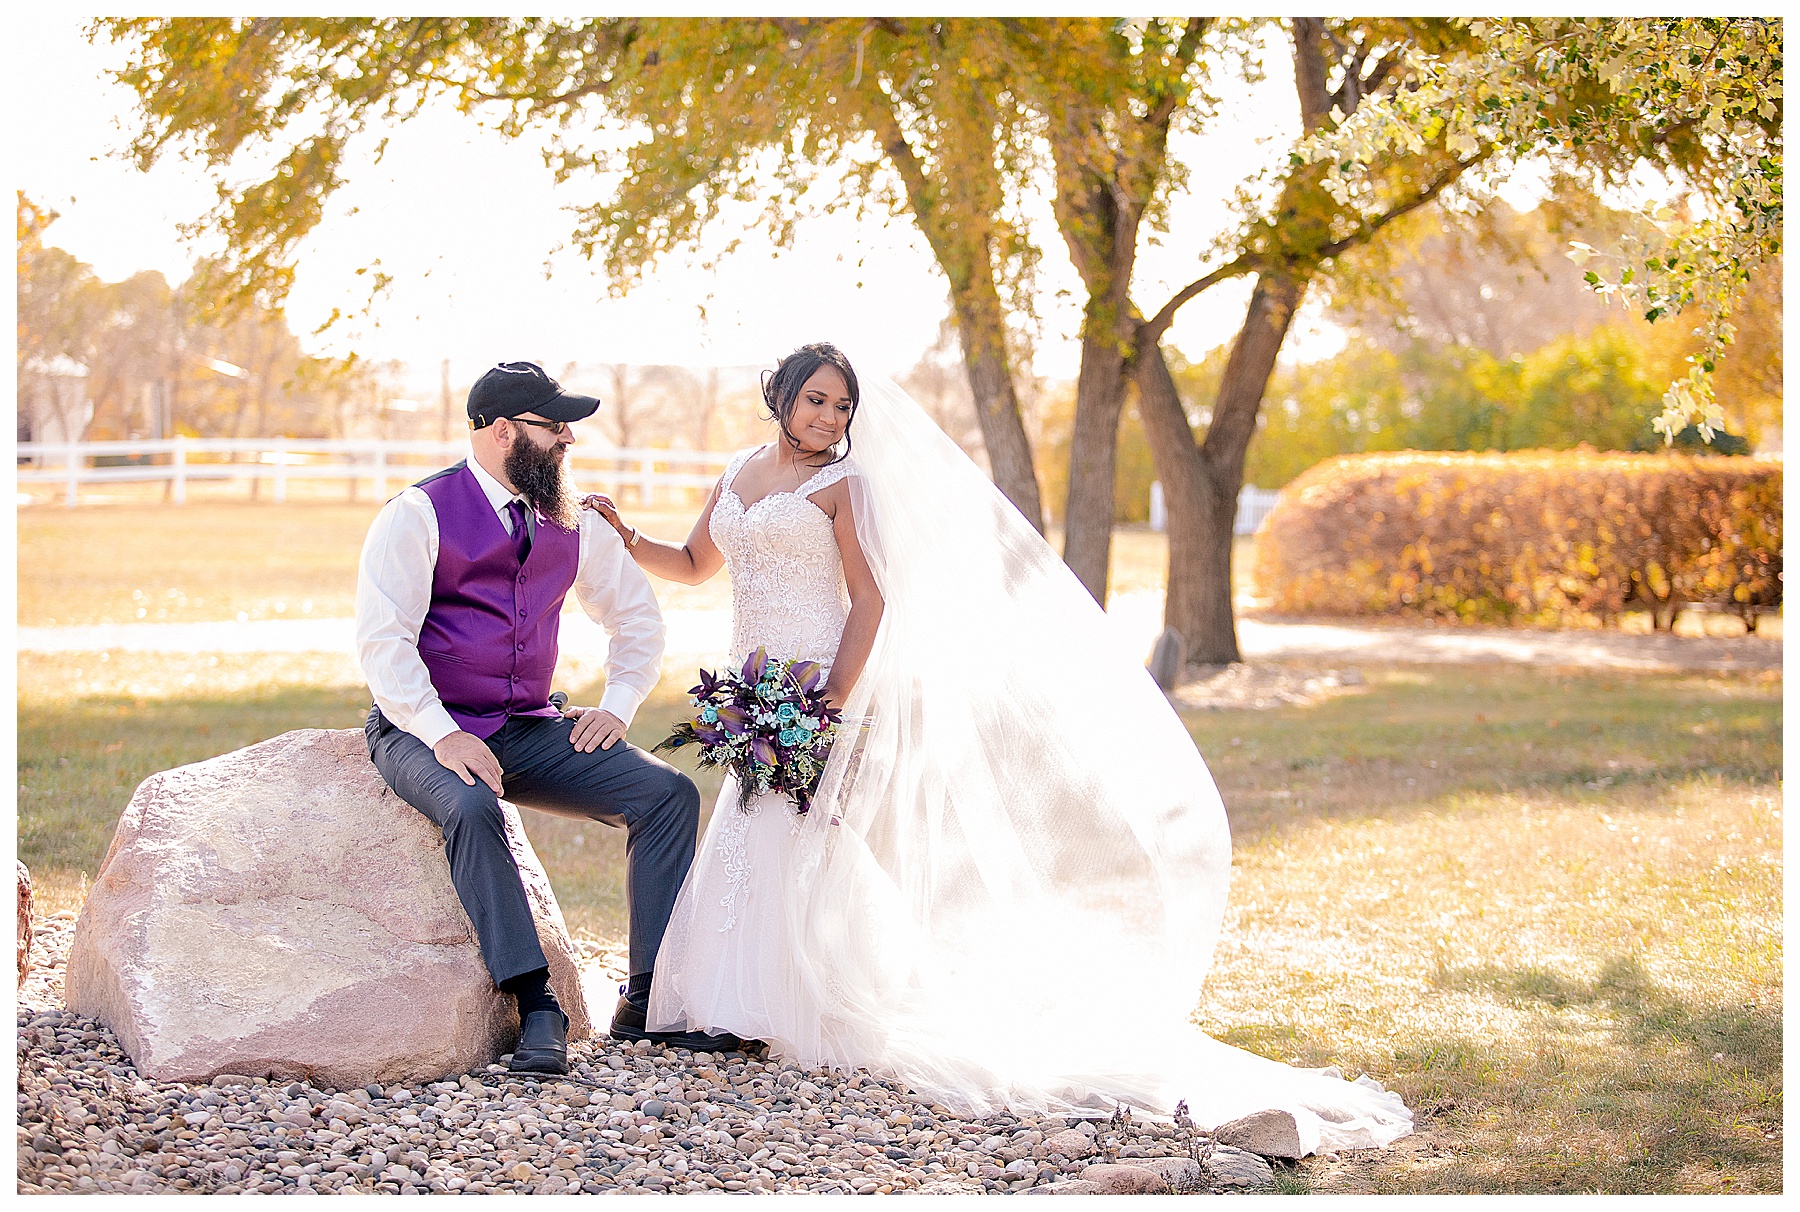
(387,465)
(384,465)
(1253,507)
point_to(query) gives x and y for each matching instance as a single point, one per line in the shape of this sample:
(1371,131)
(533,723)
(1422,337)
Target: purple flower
(767,723)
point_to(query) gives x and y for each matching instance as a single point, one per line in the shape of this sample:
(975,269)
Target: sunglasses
(555,427)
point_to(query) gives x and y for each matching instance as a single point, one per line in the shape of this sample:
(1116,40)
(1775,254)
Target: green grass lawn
(1543,905)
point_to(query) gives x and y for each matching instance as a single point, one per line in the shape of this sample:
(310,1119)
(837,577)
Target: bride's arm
(865,598)
(688,563)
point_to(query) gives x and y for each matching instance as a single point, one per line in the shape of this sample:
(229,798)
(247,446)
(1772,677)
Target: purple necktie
(521,534)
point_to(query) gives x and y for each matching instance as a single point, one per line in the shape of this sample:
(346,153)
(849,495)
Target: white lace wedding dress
(1009,885)
(727,961)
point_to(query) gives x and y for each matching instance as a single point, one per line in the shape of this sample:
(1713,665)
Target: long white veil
(1012,878)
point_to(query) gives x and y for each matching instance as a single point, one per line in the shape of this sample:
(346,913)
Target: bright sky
(471,226)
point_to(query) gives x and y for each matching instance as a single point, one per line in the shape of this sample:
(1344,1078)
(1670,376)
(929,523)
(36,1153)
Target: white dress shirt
(393,595)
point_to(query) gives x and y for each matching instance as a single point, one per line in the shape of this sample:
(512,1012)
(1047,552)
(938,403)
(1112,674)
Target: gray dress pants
(656,804)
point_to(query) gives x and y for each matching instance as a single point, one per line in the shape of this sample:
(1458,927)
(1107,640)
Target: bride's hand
(603,505)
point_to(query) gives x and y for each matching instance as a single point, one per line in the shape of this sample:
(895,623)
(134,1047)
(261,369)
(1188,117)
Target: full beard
(538,475)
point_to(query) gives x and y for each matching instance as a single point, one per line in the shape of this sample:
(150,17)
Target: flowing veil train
(1010,883)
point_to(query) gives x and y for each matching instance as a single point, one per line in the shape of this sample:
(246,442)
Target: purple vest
(489,639)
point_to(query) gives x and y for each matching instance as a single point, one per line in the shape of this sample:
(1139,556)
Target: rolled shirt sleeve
(616,594)
(393,594)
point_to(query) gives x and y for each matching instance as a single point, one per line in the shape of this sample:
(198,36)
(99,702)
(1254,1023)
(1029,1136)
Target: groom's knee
(686,798)
(679,803)
(472,812)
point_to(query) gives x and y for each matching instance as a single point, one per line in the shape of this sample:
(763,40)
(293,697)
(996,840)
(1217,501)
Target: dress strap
(737,464)
(825,477)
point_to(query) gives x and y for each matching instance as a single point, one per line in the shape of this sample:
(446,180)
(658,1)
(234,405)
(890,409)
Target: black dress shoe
(543,1043)
(628,1023)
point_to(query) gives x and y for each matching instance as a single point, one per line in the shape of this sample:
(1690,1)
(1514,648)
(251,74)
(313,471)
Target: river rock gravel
(630,1118)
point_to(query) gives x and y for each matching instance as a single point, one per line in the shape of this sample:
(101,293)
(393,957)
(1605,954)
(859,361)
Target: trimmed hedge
(1543,538)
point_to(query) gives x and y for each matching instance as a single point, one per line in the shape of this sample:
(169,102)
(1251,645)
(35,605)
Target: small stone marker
(1166,658)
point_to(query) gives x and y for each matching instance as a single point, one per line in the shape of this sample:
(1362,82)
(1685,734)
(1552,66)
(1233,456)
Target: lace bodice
(787,581)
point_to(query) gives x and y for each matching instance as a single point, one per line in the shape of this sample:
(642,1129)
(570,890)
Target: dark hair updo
(781,387)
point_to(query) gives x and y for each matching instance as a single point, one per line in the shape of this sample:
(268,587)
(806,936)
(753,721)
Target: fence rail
(280,461)
(1253,507)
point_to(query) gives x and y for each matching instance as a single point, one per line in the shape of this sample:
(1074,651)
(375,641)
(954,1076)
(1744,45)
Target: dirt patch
(1265,637)
(1260,685)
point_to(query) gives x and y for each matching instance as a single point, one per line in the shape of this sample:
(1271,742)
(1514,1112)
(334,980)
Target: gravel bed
(630,1118)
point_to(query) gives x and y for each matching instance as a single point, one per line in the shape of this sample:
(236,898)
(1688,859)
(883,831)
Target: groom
(458,598)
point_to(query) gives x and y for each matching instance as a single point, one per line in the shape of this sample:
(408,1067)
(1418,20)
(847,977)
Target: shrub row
(1545,538)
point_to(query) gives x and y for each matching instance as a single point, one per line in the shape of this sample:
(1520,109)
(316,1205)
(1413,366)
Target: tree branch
(1355,87)
(1378,74)
(535,98)
(1151,330)
(906,161)
(1185,53)
(1367,229)
(1309,72)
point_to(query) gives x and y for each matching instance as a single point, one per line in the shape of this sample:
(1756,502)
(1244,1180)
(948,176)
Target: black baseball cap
(515,387)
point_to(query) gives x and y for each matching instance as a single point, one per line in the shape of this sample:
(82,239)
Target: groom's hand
(594,728)
(468,758)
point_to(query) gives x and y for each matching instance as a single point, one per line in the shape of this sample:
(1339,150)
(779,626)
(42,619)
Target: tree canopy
(1696,99)
(677,122)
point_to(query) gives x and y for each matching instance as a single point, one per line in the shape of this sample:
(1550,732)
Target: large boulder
(279,912)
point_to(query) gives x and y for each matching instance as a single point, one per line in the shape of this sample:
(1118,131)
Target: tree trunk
(1102,239)
(1200,516)
(1093,455)
(980,323)
(1201,481)
(964,251)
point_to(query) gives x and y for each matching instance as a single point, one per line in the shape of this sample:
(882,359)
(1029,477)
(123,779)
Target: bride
(1008,887)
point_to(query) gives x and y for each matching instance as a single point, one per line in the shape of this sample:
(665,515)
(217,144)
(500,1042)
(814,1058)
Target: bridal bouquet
(768,724)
